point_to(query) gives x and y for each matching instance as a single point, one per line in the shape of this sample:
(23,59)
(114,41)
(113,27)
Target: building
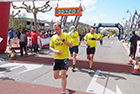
(43,25)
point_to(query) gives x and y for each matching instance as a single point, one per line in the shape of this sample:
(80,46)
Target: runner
(75,43)
(101,37)
(60,44)
(108,36)
(90,41)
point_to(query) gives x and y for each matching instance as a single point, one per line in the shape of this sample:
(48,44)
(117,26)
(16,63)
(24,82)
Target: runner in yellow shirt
(101,37)
(90,41)
(60,44)
(75,43)
(108,35)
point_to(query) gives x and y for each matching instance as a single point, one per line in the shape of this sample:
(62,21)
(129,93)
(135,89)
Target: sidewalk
(11,87)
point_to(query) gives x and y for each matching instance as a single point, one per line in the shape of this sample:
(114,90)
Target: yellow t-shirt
(89,38)
(101,36)
(61,46)
(108,35)
(75,36)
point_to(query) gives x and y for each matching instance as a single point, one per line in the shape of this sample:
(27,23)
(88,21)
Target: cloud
(92,8)
(89,19)
(87,3)
(103,15)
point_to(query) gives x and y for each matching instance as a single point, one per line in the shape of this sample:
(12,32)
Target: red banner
(4,24)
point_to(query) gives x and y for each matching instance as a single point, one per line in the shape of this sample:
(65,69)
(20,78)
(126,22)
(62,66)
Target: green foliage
(20,22)
(113,32)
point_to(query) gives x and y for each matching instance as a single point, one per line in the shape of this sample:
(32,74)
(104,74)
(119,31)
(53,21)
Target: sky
(95,11)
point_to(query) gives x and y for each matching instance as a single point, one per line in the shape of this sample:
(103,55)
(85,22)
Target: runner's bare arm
(55,51)
(85,41)
(66,42)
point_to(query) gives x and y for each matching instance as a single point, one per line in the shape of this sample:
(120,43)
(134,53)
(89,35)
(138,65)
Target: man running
(60,44)
(90,41)
(101,37)
(75,43)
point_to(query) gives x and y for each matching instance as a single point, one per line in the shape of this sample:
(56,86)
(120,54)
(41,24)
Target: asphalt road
(100,82)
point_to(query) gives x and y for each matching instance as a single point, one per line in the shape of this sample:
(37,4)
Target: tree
(20,22)
(34,10)
(12,16)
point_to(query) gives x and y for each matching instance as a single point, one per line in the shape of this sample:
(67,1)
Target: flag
(138,22)
(133,20)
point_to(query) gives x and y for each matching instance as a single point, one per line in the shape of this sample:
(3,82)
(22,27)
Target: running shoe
(73,69)
(66,75)
(63,93)
(89,71)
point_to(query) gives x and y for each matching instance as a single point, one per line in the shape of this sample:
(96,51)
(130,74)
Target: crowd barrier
(42,42)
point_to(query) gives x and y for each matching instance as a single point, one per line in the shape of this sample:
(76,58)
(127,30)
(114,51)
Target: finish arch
(118,25)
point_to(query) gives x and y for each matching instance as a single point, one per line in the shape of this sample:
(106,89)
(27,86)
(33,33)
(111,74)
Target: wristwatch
(63,40)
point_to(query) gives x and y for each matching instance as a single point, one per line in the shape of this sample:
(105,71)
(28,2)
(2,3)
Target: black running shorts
(74,49)
(91,50)
(60,64)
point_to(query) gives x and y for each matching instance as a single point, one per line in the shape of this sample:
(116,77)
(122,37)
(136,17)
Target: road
(100,82)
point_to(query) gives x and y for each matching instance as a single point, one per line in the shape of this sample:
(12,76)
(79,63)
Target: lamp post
(130,20)
(129,13)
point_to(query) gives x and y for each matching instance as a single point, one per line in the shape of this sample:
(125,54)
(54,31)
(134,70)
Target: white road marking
(28,67)
(94,87)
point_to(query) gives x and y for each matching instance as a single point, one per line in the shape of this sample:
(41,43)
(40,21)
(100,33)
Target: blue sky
(97,11)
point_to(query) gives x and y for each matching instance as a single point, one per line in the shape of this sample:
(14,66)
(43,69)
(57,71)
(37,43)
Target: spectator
(11,35)
(34,40)
(47,34)
(28,33)
(18,33)
(133,45)
(23,43)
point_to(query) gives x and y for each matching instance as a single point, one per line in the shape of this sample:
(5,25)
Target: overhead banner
(68,11)
(24,0)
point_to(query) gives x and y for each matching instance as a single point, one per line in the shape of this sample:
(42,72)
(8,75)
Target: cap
(71,27)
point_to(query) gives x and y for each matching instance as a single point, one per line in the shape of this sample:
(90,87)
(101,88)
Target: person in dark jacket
(133,45)
(19,33)
(23,43)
